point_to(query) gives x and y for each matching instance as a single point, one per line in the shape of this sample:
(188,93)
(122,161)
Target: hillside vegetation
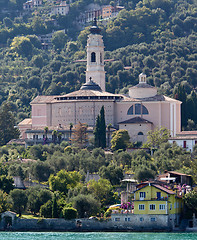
(157,37)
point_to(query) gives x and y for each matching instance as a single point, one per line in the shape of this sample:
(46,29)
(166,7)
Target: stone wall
(132,224)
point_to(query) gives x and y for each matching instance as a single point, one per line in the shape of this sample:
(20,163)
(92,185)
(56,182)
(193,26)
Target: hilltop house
(29,5)
(62,8)
(141,110)
(185,139)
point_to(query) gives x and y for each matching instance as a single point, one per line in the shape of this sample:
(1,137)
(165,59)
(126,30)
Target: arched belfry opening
(93,57)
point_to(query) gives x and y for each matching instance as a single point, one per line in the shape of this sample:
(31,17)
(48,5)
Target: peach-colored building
(143,109)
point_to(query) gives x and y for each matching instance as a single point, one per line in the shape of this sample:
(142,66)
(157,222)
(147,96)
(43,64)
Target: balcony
(32,141)
(122,211)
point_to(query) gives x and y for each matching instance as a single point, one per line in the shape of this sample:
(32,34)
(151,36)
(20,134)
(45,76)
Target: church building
(143,109)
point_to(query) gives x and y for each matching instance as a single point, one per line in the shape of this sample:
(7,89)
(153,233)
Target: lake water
(95,236)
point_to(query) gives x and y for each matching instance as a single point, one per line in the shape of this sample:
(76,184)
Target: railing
(122,211)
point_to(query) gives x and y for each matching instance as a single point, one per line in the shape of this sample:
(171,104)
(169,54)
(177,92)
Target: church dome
(95,29)
(90,85)
(142,89)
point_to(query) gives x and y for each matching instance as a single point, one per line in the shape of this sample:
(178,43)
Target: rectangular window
(141,207)
(125,219)
(129,219)
(184,144)
(162,206)
(117,219)
(142,195)
(152,206)
(158,195)
(153,220)
(141,219)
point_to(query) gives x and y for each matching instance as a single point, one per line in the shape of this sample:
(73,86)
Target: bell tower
(95,57)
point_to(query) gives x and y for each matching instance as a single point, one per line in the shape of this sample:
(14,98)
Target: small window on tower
(93,57)
(101,58)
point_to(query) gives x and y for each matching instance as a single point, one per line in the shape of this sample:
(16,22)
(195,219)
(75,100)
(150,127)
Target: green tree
(64,180)
(102,127)
(36,198)
(156,137)
(16,170)
(70,127)
(38,25)
(46,209)
(46,130)
(4,205)
(190,200)
(34,82)
(100,130)
(120,140)
(6,183)
(180,94)
(59,40)
(54,207)
(7,125)
(102,190)
(7,22)
(86,205)
(97,138)
(41,171)
(19,200)
(69,213)
(144,174)
(112,172)
(22,46)
(54,136)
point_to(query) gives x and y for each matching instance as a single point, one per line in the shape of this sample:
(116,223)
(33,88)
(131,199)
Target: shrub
(46,209)
(69,213)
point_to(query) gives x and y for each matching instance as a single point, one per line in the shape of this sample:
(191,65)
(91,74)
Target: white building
(185,139)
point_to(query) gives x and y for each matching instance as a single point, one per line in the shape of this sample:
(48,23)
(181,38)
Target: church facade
(143,109)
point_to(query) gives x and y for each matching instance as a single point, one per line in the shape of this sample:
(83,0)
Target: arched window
(144,110)
(93,57)
(130,111)
(140,134)
(139,109)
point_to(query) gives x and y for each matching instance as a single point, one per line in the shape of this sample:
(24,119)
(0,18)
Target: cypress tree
(180,94)
(54,207)
(97,132)
(102,128)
